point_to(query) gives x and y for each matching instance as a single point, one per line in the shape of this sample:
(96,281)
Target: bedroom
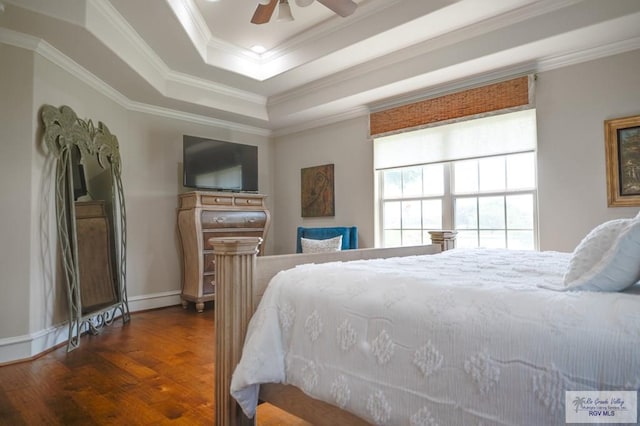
(573,98)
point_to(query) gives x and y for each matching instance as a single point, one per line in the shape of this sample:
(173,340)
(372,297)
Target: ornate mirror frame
(64,132)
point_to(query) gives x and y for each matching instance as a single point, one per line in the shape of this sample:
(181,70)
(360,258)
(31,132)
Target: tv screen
(219,165)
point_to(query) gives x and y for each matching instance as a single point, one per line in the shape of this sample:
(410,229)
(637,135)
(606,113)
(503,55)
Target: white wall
(572,104)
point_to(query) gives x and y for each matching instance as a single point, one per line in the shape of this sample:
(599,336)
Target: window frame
(449,199)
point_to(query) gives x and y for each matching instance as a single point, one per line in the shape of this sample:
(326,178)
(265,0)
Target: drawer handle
(212,262)
(219,219)
(251,220)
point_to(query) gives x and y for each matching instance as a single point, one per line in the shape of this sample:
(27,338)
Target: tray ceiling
(195,57)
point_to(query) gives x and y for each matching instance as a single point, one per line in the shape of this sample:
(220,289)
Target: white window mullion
(447,200)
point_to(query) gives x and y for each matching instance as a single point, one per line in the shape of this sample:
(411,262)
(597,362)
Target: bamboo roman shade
(480,100)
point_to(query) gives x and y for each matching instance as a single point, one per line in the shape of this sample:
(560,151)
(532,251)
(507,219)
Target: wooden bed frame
(241,280)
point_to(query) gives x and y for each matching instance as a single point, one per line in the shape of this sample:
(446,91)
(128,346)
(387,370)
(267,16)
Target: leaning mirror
(91,220)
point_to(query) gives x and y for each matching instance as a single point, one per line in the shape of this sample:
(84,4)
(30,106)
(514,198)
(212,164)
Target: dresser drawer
(209,264)
(249,201)
(217,200)
(208,284)
(231,219)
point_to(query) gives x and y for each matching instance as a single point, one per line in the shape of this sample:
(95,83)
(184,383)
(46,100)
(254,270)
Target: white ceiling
(193,57)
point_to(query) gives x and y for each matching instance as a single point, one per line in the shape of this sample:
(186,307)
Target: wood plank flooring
(156,370)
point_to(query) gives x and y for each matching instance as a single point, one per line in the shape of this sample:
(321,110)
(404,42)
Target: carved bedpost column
(446,239)
(235,259)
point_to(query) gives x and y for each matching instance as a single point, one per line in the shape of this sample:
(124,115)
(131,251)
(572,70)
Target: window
(489,199)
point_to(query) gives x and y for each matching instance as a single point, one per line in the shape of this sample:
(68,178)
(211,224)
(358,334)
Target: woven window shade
(496,134)
(494,97)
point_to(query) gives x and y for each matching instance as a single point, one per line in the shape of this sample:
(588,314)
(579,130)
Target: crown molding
(518,70)
(104,21)
(219,53)
(197,32)
(598,52)
(212,50)
(112,30)
(346,84)
(349,114)
(332,25)
(196,119)
(484,79)
(53,55)
(414,51)
(218,89)
(278,110)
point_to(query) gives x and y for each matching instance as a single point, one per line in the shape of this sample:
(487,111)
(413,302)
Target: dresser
(203,215)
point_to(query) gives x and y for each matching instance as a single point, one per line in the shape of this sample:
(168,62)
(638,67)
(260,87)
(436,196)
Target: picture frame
(318,192)
(622,148)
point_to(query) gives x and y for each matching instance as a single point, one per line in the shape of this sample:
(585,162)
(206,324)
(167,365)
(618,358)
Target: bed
(410,336)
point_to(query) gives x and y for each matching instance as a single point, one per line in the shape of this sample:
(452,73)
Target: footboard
(241,279)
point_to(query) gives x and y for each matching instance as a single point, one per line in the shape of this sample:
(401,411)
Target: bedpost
(235,259)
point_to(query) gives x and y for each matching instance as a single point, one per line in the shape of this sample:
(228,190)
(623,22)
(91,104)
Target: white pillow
(321,246)
(607,259)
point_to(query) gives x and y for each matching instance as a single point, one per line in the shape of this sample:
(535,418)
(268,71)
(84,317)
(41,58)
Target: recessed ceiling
(227,22)
(194,57)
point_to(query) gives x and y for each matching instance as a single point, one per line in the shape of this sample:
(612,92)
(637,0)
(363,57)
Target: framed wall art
(622,143)
(317,195)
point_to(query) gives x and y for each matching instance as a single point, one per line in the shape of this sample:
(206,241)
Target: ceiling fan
(265,8)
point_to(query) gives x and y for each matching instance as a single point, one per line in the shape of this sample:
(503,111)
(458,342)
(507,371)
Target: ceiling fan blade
(343,8)
(263,13)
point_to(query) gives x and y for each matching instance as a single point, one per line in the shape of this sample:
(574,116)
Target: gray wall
(344,144)
(16,145)
(572,104)
(34,300)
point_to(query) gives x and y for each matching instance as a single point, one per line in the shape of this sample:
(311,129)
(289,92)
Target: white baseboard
(154,301)
(28,346)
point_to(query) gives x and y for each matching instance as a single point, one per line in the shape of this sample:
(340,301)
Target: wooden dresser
(203,215)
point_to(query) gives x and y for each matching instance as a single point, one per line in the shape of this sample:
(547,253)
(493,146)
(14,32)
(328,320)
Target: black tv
(219,165)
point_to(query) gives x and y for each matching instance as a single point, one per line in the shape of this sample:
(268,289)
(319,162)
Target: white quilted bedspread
(465,337)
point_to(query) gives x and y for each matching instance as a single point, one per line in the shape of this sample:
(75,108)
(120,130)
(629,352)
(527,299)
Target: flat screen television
(219,165)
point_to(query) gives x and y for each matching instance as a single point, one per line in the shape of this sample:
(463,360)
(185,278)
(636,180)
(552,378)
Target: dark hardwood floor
(156,370)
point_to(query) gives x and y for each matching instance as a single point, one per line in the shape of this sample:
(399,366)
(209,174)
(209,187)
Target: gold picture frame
(622,147)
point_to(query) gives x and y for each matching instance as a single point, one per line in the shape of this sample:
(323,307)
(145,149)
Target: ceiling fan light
(303,3)
(264,2)
(284,11)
